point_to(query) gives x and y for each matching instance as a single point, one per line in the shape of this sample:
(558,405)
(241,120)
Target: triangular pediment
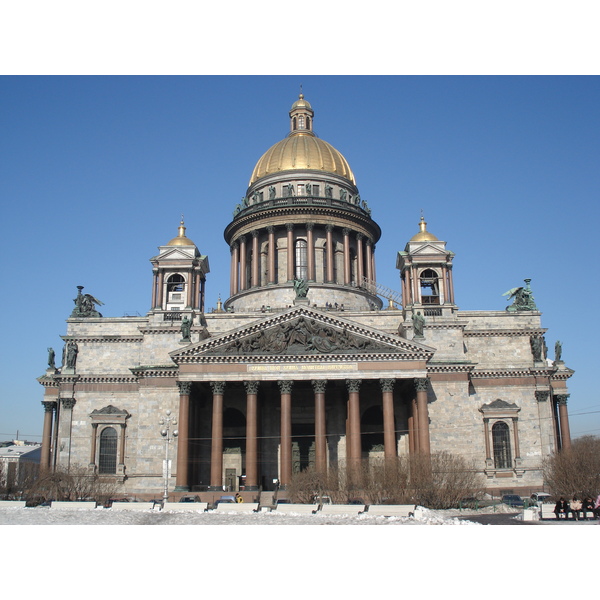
(303,332)
(429,249)
(177,253)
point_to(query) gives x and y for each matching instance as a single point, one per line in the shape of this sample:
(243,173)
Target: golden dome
(302,149)
(423,235)
(181,239)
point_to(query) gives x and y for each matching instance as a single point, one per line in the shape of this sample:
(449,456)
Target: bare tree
(575,472)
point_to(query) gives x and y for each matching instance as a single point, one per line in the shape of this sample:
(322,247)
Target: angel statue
(84,305)
(301,288)
(523,298)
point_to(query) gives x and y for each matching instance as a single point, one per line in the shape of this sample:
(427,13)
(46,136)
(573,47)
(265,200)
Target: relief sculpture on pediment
(302,336)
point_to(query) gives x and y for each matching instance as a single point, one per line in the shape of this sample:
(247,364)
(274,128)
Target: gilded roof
(423,235)
(302,149)
(181,239)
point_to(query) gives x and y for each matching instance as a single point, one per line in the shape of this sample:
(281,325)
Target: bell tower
(178,278)
(426,275)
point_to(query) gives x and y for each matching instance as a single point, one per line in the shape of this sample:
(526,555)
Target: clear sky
(97,171)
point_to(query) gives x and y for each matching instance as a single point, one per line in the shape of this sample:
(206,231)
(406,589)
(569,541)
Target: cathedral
(309,362)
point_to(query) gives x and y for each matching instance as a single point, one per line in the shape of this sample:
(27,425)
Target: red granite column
(243,258)
(311,251)
(347,267)
(450,284)
(161,279)
(329,230)
(389,431)
(235,276)
(422,385)
(183,438)
(255,260)
(290,252)
(271,257)
(565,433)
(251,434)
(154,286)
(413,426)
(360,271)
(354,418)
(216,455)
(320,426)
(49,406)
(285,471)
(369,247)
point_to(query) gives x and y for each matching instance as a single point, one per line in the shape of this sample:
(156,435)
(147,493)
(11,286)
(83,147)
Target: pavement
(509,519)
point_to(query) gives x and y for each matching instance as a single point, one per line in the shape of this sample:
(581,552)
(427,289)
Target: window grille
(501,443)
(107,457)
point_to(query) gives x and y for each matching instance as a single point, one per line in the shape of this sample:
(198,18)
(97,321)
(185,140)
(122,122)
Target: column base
(251,488)
(182,488)
(215,488)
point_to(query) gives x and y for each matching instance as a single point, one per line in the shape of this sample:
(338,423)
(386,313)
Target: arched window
(107,456)
(501,445)
(300,122)
(301,259)
(430,287)
(175,283)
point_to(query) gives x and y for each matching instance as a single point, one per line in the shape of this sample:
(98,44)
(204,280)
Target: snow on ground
(102,516)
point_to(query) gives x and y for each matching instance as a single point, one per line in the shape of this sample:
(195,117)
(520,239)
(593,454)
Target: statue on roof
(557,351)
(186,329)
(301,288)
(51,358)
(418,321)
(523,298)
(84,305)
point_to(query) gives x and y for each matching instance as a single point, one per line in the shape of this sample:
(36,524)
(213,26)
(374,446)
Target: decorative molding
(504,332)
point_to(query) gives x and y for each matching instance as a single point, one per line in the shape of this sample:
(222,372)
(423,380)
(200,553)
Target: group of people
(579,509)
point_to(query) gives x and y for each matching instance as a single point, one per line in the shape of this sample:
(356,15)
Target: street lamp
(167,422)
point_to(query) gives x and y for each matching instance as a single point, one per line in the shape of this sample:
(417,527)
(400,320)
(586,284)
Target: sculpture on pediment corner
(557,351)
(418,321)
(301,288)
(523,298)
(84,305)
(71,351)
(51,358)
(186,329)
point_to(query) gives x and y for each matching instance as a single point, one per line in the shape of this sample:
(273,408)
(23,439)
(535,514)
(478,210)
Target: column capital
(561,399)
(251,386)
(346,231)
(218,387)
(541,395)
(270,228)
(255,233)
(242,239)
(285,386)
(319,385)
(67,403)
(353,384)
(359,236)
(387,385)
(49,405)
(310,226)
(185,387)
(421,384)
(289,226)
(329,228)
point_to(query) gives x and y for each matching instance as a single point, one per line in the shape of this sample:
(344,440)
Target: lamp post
(167,422)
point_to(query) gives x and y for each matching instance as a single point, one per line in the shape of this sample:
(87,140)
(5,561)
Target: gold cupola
(302,149)
(181,239)
(423,235)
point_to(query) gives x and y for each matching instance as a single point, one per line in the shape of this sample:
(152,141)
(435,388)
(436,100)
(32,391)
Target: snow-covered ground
(270,559)
(101,516)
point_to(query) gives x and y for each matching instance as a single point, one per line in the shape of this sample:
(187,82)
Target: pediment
(429,248)
(303,332)
(177,253)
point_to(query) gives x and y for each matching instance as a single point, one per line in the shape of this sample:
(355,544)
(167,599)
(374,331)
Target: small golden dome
(301,103)
(423,235)
(181,239)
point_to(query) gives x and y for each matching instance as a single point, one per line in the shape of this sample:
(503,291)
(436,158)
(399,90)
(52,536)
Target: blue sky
(96,172)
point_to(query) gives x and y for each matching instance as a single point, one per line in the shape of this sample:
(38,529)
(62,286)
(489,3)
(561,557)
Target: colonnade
(246,257)
(411,283)
(418,428)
